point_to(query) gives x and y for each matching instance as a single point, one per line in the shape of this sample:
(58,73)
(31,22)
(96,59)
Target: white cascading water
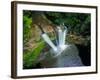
(48,41)
(64,32)
(61,40)
(59,37)
(64,37)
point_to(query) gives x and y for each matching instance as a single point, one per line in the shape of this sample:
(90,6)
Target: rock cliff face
(68,58)
(38,18)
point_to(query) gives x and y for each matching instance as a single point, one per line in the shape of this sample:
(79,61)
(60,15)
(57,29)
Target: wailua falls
(61,53)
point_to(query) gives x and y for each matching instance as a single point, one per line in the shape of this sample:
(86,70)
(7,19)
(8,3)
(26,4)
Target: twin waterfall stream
(60,42)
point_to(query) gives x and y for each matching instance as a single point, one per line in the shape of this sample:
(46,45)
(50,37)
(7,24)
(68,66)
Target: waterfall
(48,41)
(61,34)
(62,31)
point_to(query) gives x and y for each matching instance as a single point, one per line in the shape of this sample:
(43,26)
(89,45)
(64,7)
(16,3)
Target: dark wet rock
(68,58)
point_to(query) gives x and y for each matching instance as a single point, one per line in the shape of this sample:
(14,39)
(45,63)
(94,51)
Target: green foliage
(75,22)
(27,21)
(30,58)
